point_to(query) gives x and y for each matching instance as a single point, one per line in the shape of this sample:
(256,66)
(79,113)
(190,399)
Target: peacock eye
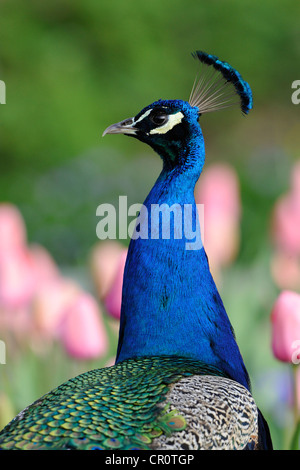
(159,118)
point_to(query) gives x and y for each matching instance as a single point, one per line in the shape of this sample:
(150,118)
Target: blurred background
(73,68)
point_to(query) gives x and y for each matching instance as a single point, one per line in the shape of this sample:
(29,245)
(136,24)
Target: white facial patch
(173,120)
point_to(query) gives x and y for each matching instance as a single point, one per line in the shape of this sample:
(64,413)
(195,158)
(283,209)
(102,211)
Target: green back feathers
(119,407)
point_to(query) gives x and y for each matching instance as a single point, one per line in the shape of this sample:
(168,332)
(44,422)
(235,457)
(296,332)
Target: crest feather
(219,86)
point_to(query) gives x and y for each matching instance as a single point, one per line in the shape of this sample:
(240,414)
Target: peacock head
(169,126)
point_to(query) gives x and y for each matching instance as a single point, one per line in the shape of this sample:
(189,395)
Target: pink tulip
(286,224)
(82,331)
(104,263)
(113,298)
(36,299)
(50,303)
(44,265)
(12,228)
(17,321)
(286,217)
(285,319)
(218,190)
(218,187)
(285,270)
(17,277)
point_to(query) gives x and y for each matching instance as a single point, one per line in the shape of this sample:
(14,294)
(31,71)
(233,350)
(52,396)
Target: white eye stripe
(143,116)
(173,120)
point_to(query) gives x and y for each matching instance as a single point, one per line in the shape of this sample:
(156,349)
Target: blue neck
(170,304)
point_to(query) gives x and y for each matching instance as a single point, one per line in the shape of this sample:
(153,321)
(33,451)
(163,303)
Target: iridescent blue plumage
(179,381)
(231,77)
(182,299)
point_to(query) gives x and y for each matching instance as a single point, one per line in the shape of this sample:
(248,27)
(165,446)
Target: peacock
(179,381)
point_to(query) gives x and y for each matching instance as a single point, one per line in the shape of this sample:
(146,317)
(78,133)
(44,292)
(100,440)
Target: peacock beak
(123,127)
